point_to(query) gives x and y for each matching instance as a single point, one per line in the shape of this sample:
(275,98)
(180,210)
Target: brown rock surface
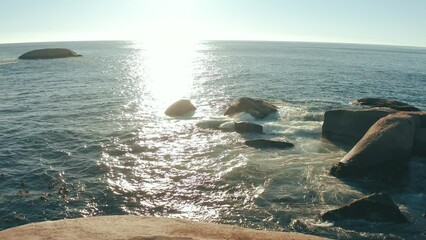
(257,108)
(387,143)
(139,228)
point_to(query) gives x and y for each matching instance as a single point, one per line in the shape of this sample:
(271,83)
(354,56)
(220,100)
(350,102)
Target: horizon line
(221,40)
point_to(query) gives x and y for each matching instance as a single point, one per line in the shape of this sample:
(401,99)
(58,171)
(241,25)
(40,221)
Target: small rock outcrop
(387,103)
(246,127)
(349,126)
(264,143)
(377,207)
(181,108)
(386,145)
(257,108)
(49,53)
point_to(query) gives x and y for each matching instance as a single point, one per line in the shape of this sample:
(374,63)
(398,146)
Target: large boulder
(181,108)
(378,207)
(385,147)
(420,119)
(387,103)
(264,143)
(257,108)
(49,53)
(419,146)
(348,126)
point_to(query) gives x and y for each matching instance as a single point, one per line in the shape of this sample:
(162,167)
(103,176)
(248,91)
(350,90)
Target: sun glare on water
(168,70)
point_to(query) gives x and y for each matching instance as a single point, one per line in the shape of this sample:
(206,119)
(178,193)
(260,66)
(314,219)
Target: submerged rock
(256,108)
(241,127)
(227,126)
(49,53)
(381,102)
(264,143)
(211,124)
(181,108)
(385,146)
(377,207)
(246,127)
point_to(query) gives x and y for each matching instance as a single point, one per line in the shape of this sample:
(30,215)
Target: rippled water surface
(87,136)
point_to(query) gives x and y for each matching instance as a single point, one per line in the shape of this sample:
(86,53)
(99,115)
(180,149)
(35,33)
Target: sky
(390,22)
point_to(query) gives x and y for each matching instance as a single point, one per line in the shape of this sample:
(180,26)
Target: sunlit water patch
(88,136)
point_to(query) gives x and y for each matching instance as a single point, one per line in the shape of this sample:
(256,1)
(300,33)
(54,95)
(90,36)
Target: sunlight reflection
(169,70)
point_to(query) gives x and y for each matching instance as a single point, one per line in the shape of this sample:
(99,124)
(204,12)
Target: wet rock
(23,184)
(420,119)
(181,108)
(44,196)
(22,192)
(51,185)
(49,53)
(256,108)
(246,127)
(377,207)
(264,143)
(348,126)
(419,146)
(227,127)
(211,124)
(387,103)
(63,190)
(386,145)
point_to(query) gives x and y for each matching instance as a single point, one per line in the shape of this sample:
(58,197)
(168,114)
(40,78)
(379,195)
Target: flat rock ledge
(139,228)
(386,103)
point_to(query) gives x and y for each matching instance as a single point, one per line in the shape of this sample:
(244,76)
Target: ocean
(88,136)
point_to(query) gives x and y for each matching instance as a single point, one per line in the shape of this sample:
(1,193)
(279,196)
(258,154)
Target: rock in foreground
(378,207)
(257,108)
(387,103)
(264,143)
(387,145)
(49,53)
(139,228)
(181,108)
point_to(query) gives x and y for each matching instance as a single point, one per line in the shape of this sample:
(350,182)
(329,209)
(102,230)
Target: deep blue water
(87,136)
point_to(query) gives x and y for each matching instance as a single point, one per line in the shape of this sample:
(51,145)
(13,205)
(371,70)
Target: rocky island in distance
(49,53)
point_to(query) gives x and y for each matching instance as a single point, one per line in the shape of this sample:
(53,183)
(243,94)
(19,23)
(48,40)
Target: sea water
(87,136)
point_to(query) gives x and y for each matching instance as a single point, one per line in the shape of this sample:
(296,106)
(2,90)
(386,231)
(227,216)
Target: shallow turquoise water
(87,136)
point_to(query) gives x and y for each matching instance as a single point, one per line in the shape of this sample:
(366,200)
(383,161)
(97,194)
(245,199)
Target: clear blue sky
(396,22)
